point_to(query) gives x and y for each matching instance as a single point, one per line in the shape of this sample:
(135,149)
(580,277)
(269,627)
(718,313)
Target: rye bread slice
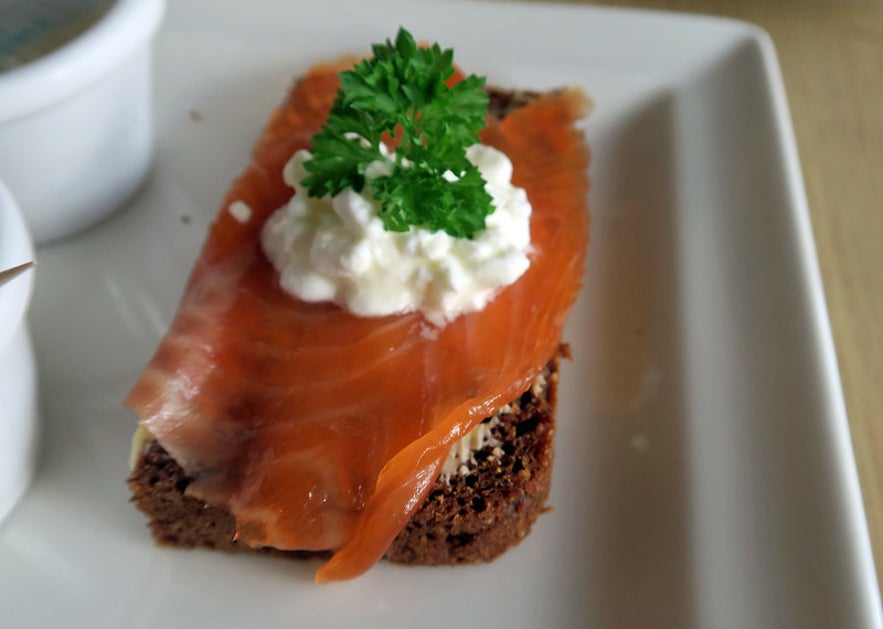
(472,515)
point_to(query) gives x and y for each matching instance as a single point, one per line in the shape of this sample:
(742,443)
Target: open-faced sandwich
(365,360)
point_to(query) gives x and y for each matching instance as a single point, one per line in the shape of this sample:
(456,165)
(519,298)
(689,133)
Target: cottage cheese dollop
(336,248)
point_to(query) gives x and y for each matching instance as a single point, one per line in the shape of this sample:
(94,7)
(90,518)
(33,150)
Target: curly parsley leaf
(401,92)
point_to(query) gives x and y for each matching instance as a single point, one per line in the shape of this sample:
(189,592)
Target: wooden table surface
(831,53)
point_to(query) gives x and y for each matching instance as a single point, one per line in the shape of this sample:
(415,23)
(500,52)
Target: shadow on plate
(625,449)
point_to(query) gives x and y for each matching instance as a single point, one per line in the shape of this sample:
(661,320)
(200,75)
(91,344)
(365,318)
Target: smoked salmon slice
(318,429)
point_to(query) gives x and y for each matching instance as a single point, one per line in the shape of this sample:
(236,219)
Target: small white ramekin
(76,133)
(19,425)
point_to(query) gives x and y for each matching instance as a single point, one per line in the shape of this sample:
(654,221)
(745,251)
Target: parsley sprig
(401,92)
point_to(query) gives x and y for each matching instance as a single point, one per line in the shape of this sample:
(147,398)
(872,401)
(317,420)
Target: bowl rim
(125,28)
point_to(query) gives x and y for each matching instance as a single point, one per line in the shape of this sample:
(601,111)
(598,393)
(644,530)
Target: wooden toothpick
(15,271)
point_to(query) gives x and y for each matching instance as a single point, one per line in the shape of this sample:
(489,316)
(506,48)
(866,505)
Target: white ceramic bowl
(76,135)
(19,426)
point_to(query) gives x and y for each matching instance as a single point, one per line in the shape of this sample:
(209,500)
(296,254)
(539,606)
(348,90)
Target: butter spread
(461,456)
(336,248)
(140,440)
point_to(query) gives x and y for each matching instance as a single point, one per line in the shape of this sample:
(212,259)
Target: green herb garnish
(401,92)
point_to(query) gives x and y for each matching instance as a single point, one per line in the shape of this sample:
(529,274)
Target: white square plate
(704,474)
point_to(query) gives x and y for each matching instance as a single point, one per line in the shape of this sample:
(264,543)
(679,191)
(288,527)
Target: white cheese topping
(336,249)
(240,210)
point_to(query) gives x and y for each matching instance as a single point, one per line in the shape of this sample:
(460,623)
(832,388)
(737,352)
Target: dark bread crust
(465,518)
